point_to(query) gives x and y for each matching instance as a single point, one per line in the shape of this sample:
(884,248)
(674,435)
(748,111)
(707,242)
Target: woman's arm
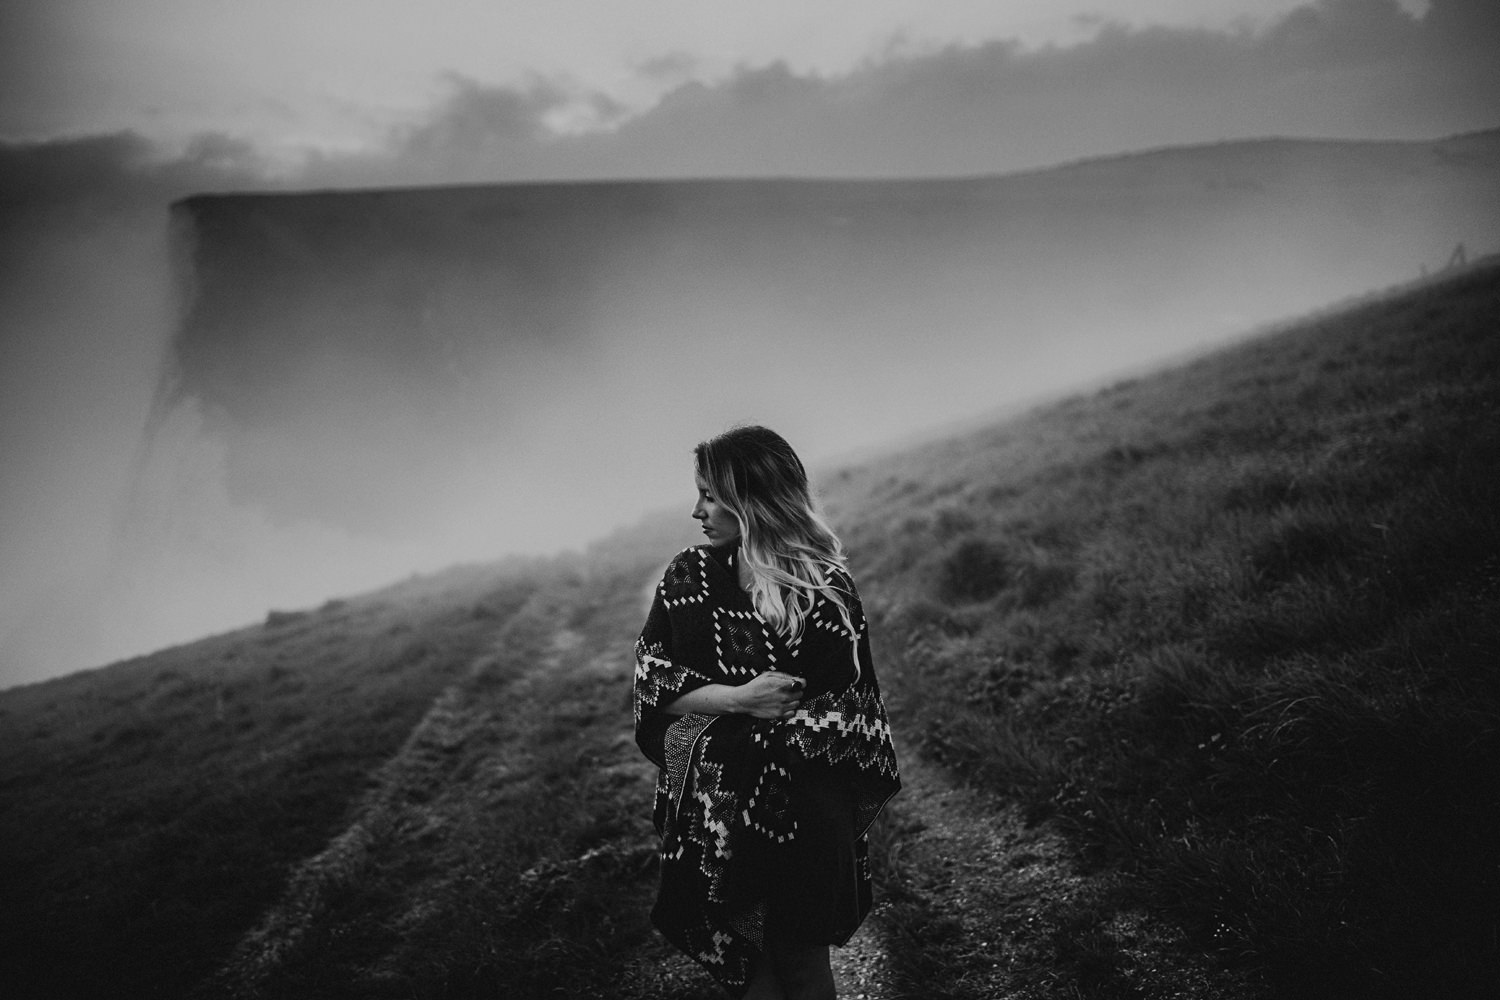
(771,695)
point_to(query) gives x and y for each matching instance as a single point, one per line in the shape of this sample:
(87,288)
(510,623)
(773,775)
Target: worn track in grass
(972,901)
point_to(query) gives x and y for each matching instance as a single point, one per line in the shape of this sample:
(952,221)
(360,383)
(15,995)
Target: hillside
(1193,680)
(427,328)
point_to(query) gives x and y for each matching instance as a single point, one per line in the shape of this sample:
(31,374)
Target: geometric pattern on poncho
(739,636)
(728,784)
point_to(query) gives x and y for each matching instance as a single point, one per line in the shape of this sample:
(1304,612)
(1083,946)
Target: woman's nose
(698,512)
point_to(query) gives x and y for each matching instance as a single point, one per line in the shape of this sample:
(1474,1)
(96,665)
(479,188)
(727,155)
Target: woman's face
(719,523)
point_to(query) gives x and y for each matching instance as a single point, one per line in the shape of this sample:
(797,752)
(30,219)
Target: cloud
(1472,26)
(1333,68)
(91,177)
(670,67)
(1340,32)
(38,177)
(1336,68)
(478,120)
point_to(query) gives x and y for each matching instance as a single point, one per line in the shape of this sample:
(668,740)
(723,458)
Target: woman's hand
(771,695)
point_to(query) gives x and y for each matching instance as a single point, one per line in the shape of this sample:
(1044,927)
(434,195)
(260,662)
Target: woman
(756,696)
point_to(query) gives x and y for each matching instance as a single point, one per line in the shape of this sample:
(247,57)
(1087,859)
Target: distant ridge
(1481,143)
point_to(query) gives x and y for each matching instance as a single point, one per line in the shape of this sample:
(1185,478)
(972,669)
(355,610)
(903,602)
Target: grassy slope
(1235,625)
(150,810)
(1230,628)
(506,850)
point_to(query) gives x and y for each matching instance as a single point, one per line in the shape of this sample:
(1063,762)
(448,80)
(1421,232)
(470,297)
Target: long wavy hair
(785,543)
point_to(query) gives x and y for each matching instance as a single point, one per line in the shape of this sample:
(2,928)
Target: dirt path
(980,904)
(960,867)
(389,806)
(861,968)
(972,861)
(972,902)
(966,858)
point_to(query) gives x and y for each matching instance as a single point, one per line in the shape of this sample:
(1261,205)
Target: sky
(111,109)
(333,74)
(292,78)
(217,93)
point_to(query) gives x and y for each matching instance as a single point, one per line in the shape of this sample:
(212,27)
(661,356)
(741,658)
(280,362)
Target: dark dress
(759,818)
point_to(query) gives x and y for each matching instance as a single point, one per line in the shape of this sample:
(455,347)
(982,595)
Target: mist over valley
(336,389)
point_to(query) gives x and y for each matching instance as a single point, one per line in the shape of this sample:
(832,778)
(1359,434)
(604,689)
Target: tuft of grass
(975,569)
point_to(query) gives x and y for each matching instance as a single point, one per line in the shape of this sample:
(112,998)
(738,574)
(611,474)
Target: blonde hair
(787,546)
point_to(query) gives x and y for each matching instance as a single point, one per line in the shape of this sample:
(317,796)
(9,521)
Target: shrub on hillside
(974,570)
(978,569)
(1302,542)
(278,619)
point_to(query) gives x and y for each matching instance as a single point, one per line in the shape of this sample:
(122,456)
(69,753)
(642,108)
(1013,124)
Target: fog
(180,456)
(87,316)
(277,400)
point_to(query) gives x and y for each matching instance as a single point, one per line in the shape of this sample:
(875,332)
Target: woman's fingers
(780,694)
(794,690)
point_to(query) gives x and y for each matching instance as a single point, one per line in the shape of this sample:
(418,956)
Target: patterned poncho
(738,796)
